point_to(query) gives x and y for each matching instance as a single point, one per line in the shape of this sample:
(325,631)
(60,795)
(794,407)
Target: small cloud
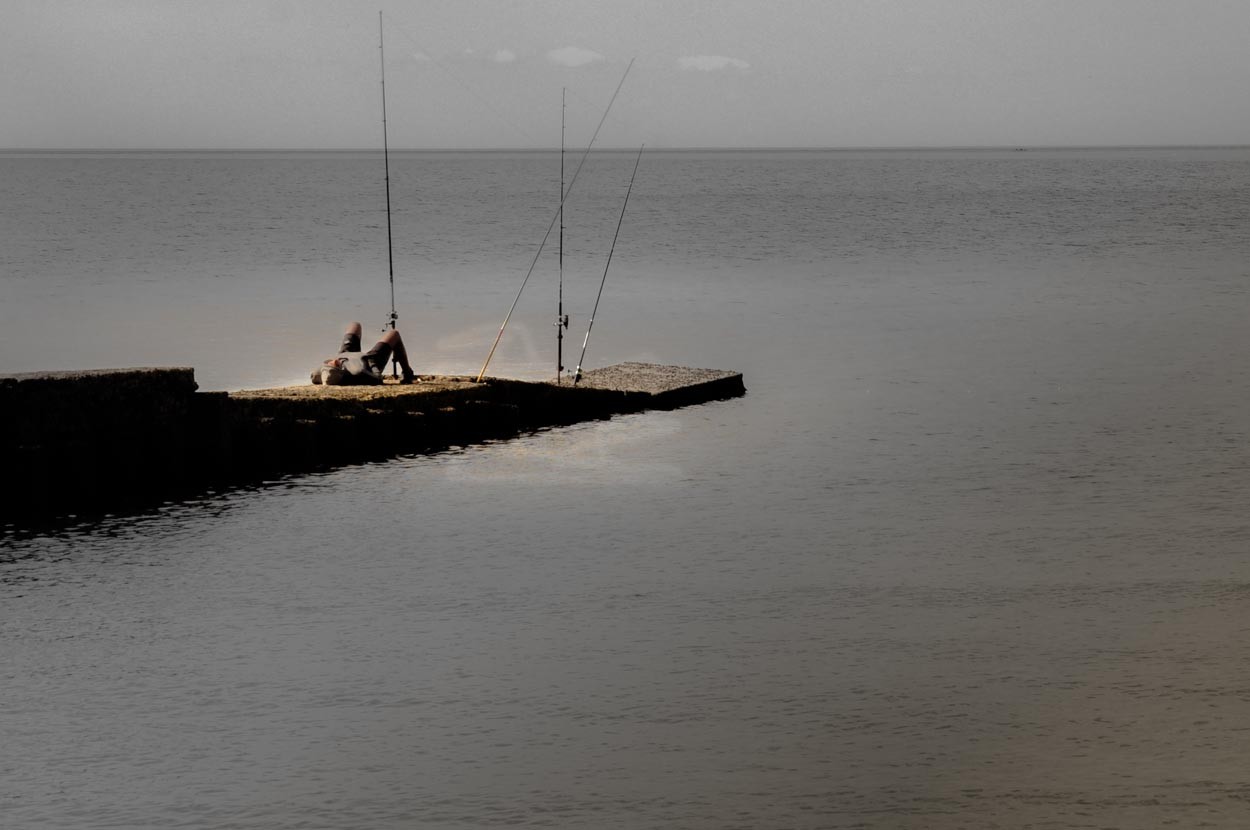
(505,56)
(711,63)
(573,56)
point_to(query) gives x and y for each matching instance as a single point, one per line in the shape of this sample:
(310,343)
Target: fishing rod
(555,216)
(562,319)
(386,163)
(577,375)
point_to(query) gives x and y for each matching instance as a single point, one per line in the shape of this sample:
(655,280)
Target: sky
(306,74)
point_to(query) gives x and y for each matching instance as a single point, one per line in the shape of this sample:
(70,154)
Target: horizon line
(629,149)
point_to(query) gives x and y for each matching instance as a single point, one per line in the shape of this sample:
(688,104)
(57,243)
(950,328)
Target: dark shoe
(409,377)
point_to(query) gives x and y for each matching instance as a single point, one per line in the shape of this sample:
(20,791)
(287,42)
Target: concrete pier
(85,443)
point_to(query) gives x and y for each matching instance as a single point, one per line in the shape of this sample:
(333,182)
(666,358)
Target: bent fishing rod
(577,375)
(554,218)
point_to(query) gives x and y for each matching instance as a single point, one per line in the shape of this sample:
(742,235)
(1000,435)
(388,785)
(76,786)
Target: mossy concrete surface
(106,440)
(667,386)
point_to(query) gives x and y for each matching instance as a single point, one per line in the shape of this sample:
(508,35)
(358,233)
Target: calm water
(970,553)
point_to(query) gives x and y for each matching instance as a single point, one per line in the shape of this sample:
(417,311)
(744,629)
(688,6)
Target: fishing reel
(562,322)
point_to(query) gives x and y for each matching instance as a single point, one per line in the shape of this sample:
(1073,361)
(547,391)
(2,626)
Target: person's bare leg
(392,339)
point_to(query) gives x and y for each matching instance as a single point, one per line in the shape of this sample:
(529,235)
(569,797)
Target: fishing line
(614,119)
(577,375)
(554,218)
(467,87)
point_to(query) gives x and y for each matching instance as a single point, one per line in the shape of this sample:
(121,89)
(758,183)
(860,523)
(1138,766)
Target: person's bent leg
(395,346)
(401,354)
(351,339)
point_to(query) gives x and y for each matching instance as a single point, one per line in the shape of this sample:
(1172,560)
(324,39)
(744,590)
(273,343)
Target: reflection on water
(576,456)
(970,552)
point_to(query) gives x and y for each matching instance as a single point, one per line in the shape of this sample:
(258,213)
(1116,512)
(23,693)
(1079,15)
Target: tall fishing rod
(562,319)
(577,375)
(554,217)
(386,163)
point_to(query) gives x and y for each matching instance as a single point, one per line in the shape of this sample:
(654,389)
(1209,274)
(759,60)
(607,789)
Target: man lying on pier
(351,368)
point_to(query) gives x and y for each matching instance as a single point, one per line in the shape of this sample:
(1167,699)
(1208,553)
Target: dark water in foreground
(971,551)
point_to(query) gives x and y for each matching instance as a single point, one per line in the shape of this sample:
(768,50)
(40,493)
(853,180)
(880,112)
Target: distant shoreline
(96,151)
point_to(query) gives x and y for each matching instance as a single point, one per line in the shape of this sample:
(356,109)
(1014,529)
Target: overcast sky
(728,73)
